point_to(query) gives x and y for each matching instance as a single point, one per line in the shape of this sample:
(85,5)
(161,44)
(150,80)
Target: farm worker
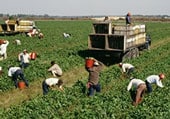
(66,35)
(17,42)
(24,58)
(40,35)
(106,19)
(140,88)
(33,32)
(126,68)
(15,73)
(55,69)
(93,81)
(154,79)
(51,82)
(128,18)
(3,49)
(1,71)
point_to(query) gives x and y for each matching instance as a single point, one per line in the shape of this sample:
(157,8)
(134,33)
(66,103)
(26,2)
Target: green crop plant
(114,101)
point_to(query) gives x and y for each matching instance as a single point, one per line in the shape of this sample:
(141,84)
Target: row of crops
(114,101)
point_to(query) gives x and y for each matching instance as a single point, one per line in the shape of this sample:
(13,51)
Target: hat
(5,41)
(24,50)
(162,76)
(120,64)
(96,63)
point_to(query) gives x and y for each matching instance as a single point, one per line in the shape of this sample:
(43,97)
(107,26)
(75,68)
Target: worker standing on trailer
(55,69)
(93,81)
(128,18)
(139,90)
(154,79)
(15,73)
(3,49)
(127,68)
(51,82)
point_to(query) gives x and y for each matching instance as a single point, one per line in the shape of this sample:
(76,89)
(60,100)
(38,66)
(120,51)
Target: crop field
(113,102)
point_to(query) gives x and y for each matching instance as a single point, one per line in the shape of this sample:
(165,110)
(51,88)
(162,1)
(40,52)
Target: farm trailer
(119,41)
(12,27)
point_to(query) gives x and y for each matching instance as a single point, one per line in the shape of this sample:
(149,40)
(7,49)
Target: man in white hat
(24,58)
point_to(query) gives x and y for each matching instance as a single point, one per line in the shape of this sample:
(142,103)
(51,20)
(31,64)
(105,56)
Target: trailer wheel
(126,56)
(135,53)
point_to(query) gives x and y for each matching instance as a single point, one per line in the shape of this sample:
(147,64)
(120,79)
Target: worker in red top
(93,81)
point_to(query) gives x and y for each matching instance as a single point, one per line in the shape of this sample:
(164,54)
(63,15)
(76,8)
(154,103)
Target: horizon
(85,8)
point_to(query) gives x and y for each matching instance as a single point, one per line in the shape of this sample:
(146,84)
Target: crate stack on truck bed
(13,27)
(106,36)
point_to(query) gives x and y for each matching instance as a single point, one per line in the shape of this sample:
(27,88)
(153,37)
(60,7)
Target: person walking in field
(3,49)
(93,81)
(127,68)
(17,73)
(51,82)
(24,58)
(55,69)
(139,90)
(154,79)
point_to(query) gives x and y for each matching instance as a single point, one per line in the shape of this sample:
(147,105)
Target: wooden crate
(102,28)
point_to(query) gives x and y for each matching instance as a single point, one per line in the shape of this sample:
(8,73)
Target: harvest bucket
(89,62)
(21,85)
(33,55)
(1,41)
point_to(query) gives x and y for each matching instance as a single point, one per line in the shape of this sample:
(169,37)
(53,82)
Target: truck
(12,27)
(119,42)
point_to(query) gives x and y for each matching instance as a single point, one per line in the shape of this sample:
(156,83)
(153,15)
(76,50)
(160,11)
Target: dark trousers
(45,87)
(92,88)
(129,71)
(19,74)
(149,87)
(24,65)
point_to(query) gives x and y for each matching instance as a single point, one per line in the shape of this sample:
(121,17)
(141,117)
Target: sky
(85,7)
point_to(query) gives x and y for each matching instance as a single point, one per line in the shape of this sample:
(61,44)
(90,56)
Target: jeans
(92,88)
(24,65)
(19,74)
(129,71)
(45,87)
(149,87)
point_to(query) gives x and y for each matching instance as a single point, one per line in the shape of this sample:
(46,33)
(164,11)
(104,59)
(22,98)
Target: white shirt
(12,70)
(126,66)
(51,81)
(135,83)
(24,57)
(155,80)
(56,68)
(3,48)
